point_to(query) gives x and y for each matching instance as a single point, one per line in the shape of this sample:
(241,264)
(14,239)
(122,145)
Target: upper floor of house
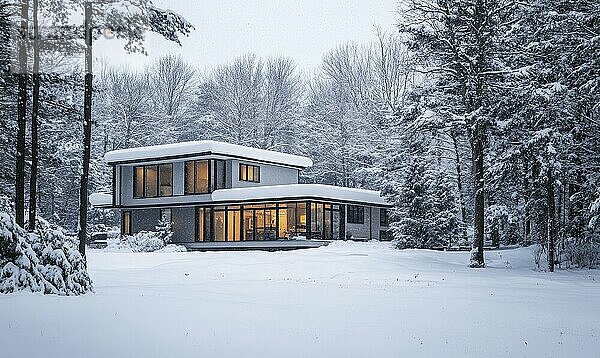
(189,172)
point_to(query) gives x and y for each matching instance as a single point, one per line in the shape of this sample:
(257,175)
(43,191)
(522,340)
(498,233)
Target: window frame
(219,176)
(159,178)
(383,235)
(144,169)
(244,171)
(383,217)
(355,214)
(195,178)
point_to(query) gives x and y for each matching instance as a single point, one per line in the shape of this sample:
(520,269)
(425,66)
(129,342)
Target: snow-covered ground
(344,300)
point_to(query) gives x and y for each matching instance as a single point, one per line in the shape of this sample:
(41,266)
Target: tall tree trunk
(461,197)
(35,105)
(577,209)
(551,217)
(526,200)
(477,251)
(87,131)
(21,120)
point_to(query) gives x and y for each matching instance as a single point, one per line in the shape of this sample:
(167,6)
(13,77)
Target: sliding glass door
(262,222)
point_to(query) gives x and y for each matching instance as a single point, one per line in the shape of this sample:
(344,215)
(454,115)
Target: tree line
(477,119)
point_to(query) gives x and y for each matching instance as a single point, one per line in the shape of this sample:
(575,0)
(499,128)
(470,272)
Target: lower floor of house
(269,221)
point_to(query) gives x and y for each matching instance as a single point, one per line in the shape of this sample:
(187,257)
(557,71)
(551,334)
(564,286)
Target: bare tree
(172,83)
(280,104)
(125,108)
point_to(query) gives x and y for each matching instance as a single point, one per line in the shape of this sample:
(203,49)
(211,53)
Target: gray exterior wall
(371,227)
(144,220)
(184,224)
(269,175)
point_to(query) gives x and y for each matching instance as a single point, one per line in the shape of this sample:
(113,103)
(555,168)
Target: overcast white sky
(303,30)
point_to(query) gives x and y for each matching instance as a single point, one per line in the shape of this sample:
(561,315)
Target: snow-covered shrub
(145,241)
(45,261)
(579,254)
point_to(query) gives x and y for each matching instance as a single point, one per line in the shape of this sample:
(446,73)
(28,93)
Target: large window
(356,214)
(271,221)
(202,224)
(197,174)
(219,176)
(250,173)
(165,180)
(383,217)
(150,181)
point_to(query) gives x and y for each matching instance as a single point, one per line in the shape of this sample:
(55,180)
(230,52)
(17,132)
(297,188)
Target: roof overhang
(296,192)
(204,148)
(101,200)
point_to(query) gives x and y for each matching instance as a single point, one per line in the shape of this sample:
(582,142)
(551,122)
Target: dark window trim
(247,168)
(383,235)
(216,174)
(383,217)
(158,178)
(195,166)
(144,168)
(355,214)
(137,195)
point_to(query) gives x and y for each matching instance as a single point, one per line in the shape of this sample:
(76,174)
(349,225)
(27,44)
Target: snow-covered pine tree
(412,213)
(549,133)
(457,42)
(426,212)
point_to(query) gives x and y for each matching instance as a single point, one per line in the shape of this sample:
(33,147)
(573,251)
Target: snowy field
(345,300)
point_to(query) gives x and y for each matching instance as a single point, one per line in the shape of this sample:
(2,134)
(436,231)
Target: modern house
(223,194)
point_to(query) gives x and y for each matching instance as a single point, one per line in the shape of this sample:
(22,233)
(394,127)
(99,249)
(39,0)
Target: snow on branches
(45,261)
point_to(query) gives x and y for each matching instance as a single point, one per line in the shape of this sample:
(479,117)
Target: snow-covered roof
(100,200)
(202,147)
(292,191)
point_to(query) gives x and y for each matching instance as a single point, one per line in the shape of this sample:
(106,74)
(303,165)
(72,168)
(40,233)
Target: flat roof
(204,147)
(101,200)
(300,191)
(266,193)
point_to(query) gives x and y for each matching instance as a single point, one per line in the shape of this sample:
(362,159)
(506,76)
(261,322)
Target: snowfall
(348,299)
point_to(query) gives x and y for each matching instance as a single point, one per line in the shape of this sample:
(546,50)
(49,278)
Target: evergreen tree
(458,42)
